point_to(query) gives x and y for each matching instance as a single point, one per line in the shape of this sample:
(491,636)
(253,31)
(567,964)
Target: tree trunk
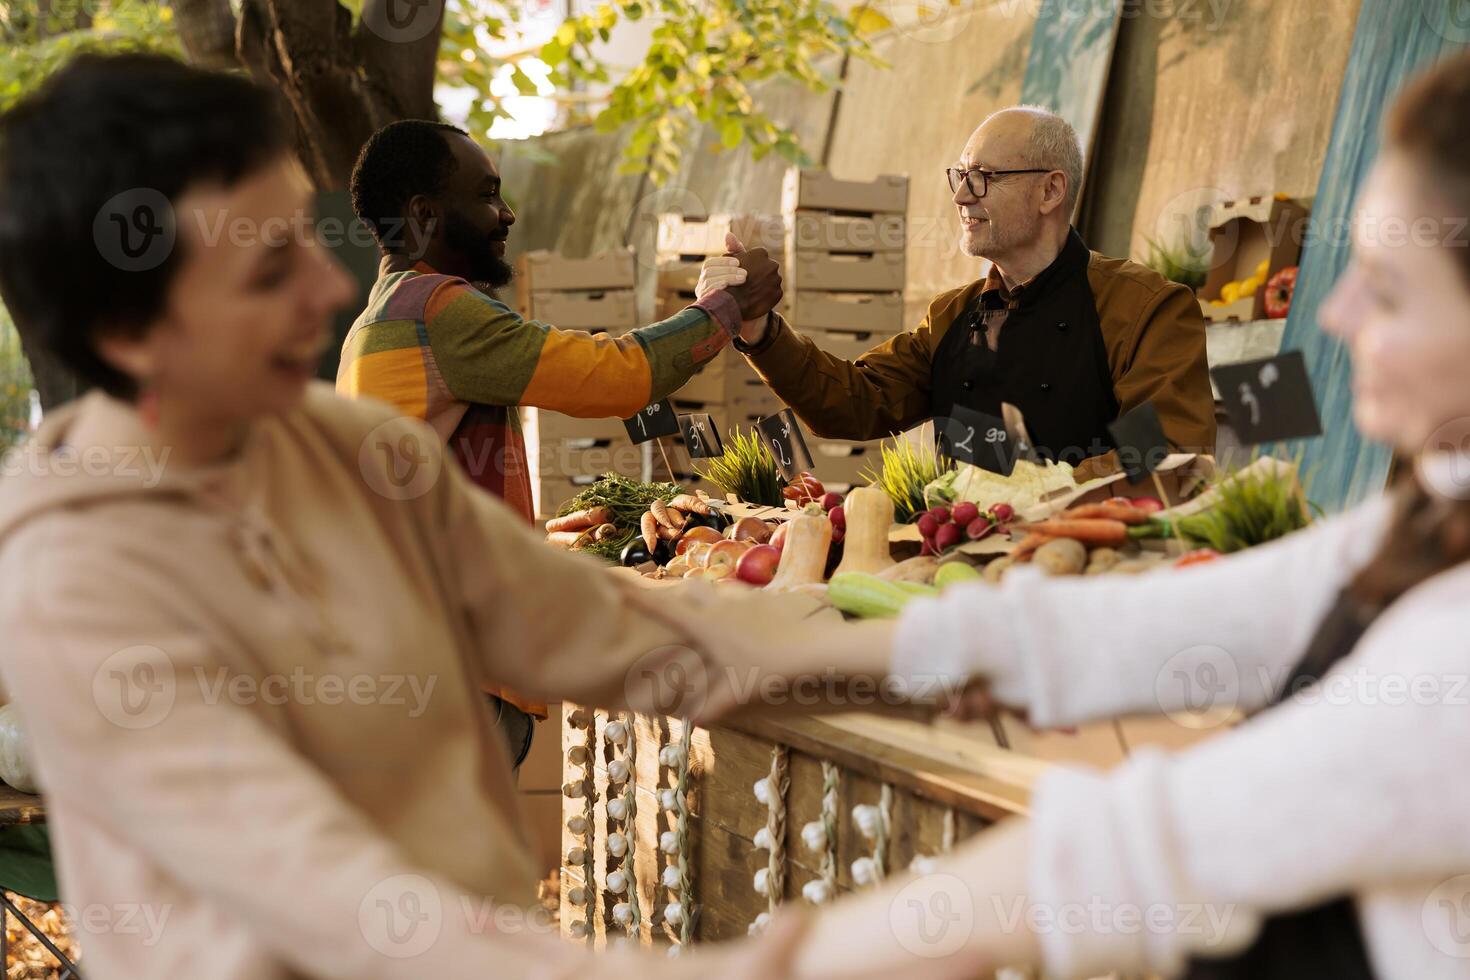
(339,82)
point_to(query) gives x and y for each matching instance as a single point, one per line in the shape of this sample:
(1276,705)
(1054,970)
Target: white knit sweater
(1358,786)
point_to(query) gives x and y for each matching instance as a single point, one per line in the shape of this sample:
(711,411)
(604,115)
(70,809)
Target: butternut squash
(804,552)
(869,513)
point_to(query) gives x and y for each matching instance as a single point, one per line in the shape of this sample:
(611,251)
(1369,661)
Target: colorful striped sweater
(441,350)
(437,348)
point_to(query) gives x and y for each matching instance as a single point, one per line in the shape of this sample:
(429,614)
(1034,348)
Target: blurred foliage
(15,385)
(1181,262)
(37,45)
(700,66)
(704,57)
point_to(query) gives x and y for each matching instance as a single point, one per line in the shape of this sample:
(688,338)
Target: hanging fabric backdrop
(1394,40)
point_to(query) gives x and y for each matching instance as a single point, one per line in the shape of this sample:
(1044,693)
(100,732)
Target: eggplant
(636,553)
(714,519)
(664,553)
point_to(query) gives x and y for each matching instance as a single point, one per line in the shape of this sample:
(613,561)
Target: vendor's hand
(758,293)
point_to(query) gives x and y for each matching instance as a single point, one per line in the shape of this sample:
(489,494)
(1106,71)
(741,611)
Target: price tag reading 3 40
(653,422)
(784,439)
(976,438)
(1269,400)
(701,439)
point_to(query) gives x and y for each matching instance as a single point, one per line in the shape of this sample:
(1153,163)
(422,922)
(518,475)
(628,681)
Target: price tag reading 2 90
(976,438)
(784,439)
(653,422)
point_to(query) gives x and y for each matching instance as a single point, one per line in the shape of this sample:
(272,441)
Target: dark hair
(105,143)
(404,158)
(1428,535)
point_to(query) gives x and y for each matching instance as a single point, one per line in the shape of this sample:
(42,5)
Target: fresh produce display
(605,517)
(1248,508)
(805,489)
(943,528)
(1279,292)
(804,555)
(747,469)
(907,472)
(866,516)
(1028,483)
(1243,288)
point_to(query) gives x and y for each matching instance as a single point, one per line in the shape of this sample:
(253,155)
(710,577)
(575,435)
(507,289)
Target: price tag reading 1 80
(653,422)
(701,439)
(976,438)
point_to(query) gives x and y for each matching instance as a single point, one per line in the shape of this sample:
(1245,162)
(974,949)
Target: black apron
(1324,941)
(1050,362)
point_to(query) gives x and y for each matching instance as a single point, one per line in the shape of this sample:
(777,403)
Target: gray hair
(1055,146)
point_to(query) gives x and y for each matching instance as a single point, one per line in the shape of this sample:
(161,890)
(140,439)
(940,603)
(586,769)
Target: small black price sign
(1139,438)
(701,438)
(784,439)
(1270,399)
(977,438)
(653,422)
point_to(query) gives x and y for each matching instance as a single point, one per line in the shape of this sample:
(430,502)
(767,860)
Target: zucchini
(870,597)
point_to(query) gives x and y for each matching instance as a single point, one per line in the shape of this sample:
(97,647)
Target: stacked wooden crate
(593,294)
(845,241)
(728,389)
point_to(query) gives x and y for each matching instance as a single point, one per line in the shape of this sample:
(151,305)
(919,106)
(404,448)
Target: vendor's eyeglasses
(956,175)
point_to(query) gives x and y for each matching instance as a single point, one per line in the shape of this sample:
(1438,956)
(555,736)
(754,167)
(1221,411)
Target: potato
(1061,556)
(1101,560)
(996,570)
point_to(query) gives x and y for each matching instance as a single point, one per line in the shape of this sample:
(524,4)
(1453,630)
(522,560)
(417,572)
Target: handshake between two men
(753,280)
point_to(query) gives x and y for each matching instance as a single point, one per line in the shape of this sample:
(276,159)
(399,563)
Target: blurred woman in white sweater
(1329,835)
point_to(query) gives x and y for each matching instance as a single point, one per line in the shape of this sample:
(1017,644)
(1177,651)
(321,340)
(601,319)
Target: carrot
(1093,532)
(691,504)
(579,520)
(668,533)
(660,512)
(567,539)
(648,525)
(1126,513)
(1028,544)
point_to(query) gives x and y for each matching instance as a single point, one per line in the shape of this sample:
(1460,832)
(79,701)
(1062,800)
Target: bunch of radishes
(942,528)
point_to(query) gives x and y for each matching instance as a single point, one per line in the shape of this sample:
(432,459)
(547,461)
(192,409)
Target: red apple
(831,499)
(758,565)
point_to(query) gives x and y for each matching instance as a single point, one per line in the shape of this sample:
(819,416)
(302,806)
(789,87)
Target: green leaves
(699,67)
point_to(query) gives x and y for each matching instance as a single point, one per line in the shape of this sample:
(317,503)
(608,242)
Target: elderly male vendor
(1072,338)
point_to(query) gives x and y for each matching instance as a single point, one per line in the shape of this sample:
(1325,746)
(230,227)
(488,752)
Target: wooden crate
(614,311)
(542,270)
(823,231)
(843,462)
(549,492)
(699,236)
(817,190)
(554,425)
(825,271)
(876,313)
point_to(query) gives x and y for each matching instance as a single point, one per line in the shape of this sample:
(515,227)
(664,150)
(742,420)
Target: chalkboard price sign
(1270,399)
(653,422)
(1139,438)
(977,438)
(701,438)
(784,439)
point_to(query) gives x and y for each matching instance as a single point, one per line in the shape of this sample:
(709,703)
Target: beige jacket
(252,693)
